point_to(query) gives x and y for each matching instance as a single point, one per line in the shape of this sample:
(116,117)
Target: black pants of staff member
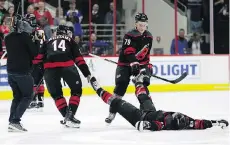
(22,87)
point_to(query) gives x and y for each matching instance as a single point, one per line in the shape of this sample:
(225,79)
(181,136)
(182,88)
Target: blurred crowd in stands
(98,42)
(98,36)
(198,14)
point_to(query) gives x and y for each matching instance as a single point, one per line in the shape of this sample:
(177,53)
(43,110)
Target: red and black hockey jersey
(135,48)
(62,51)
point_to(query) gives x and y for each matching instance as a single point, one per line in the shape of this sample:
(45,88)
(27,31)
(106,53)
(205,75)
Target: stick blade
(180,78)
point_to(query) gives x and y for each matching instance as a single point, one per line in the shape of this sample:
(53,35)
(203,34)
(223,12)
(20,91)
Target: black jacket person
(20,51)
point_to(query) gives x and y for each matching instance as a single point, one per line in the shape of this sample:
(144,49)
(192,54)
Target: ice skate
(40,105)
(16,127)
(70,121)
(110,118)
(33,106)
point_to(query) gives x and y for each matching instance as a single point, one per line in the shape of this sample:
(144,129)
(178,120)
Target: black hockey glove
(142,78)
(149,69)
(149,72)
(135,68)
(93,82)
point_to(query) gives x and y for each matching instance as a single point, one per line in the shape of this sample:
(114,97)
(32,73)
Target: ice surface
(44,127)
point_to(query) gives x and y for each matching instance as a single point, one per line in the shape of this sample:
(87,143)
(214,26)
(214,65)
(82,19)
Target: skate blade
(31,109)
(69,124)
(13,129)
(108,122)
(35,110)
(40,109)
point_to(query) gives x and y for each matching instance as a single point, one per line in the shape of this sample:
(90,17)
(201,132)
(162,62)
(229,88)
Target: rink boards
(205,73)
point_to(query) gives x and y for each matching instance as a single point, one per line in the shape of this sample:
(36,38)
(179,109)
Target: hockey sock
(140,89)
(105,96)
(61,105)
(74,103)
(40,96)
(99,91)
(144,99)
(202,124)
(35,93)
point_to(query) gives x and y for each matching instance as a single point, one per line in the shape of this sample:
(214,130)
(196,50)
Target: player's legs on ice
(132,114)
(72,78)
(33,104)
(170,120)
(38,96)
(122,79)
(53,82)
(41,88)
(142,93)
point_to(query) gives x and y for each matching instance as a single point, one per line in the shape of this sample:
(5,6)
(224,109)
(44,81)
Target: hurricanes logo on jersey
(143,52)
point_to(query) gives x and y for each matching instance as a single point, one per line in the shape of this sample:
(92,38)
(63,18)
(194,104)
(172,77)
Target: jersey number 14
(60,45)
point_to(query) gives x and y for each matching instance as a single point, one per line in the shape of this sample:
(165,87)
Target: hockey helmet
(65,30)
(70,31)
(180,121)
(141,17)
(20,24)
(62,30)
(31,19)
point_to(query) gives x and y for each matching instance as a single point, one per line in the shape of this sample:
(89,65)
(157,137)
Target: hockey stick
(37,87)
(108,60)
(2,57)
(163,79)
(172,81)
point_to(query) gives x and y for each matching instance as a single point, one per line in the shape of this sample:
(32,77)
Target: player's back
(58,52)
(58,49)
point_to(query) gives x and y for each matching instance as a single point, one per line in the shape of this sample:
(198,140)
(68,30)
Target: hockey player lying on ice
(152,120)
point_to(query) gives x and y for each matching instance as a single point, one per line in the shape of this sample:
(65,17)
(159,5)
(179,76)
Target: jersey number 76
(60,45)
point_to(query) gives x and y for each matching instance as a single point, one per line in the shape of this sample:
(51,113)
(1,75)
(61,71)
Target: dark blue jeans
(22,87)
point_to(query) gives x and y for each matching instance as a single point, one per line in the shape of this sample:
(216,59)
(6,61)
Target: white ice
(44,127)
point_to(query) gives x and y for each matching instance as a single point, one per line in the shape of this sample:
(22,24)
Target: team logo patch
(143,52)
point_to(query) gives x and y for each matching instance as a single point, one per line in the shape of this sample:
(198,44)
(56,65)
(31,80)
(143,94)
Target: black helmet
(141,17)
(63,30)
(20,24)
(31,19)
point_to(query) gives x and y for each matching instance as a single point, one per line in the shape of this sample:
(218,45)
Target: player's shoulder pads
(133,33)
(149,34)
